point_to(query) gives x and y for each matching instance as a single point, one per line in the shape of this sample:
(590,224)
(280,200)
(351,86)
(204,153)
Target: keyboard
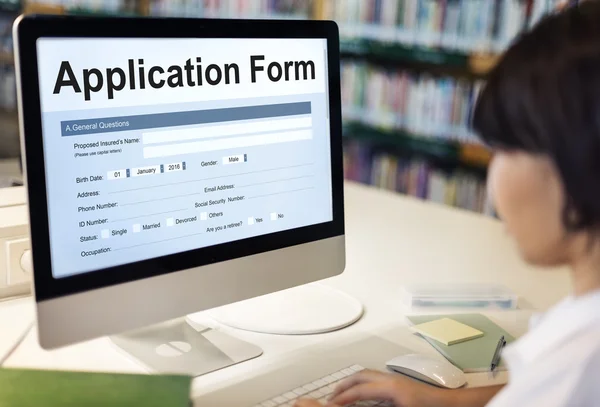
(320,389)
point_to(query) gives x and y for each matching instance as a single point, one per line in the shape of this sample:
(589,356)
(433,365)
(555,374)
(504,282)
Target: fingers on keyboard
(320,389)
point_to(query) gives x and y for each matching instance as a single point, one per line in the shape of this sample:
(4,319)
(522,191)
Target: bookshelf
(9,10)
(477,65)
(402,142)
(9,146)
(10,6)
(9,136)
(467,156)
(253,9)
(444,48)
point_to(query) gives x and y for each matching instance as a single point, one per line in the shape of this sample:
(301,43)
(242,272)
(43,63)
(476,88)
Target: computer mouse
(428,369)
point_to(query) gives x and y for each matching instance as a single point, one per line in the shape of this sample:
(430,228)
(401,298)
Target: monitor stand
(183,346)
(308,309)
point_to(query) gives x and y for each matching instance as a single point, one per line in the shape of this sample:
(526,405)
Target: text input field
(226,129)
(226,143)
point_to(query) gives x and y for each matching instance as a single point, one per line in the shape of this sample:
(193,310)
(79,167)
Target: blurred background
(411,71)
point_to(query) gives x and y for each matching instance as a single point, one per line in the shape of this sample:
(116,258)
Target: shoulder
(586,391)
(587,343)
(592,361)
(566,375)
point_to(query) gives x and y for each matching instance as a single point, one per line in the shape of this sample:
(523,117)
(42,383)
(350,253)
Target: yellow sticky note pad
(447,331)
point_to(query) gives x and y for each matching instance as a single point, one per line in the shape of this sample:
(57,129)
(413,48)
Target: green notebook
(474,355)
(25,388)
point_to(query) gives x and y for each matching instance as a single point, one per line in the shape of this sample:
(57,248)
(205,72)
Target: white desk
(391,240)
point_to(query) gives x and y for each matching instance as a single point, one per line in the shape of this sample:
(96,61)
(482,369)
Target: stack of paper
(447,331)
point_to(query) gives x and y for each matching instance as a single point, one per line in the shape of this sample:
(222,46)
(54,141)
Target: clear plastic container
(474,296)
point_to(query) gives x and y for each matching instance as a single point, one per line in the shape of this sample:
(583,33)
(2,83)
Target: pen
(496,357)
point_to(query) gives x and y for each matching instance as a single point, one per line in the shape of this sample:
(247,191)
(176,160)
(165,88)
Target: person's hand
(401,392)
(307,403)
(372,385)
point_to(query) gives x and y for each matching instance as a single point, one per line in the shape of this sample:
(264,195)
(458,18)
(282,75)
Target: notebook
(24,387)
(474,355)
(447,331)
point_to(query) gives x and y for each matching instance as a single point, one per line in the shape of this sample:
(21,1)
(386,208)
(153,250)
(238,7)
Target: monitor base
(309,309)
(182,347)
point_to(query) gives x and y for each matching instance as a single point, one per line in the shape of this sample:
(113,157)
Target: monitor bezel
(30,28)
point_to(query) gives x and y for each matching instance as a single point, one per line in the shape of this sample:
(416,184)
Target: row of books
(108,6)
(418,103)
(8,93)
(416,178)
(6,42)
(298,9)
(9,4)
(464,25)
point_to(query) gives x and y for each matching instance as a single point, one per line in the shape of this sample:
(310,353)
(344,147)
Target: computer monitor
(175,165)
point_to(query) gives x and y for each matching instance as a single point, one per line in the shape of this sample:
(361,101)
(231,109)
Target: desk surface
(391,240)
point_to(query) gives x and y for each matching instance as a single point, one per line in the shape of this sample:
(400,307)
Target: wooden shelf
(470,155)
(39,8)
(482,64)
(397,52)
(143,7)
(475,154)
(474,64)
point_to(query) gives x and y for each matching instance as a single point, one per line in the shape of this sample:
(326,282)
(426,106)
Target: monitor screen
(154,147)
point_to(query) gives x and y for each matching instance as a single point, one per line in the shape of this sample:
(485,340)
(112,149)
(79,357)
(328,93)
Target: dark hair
(543,97)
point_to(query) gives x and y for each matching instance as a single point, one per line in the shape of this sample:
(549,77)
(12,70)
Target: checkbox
(137,228)
(250,221)
(274,216)
(203,216)
(105,233)
(170,221)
